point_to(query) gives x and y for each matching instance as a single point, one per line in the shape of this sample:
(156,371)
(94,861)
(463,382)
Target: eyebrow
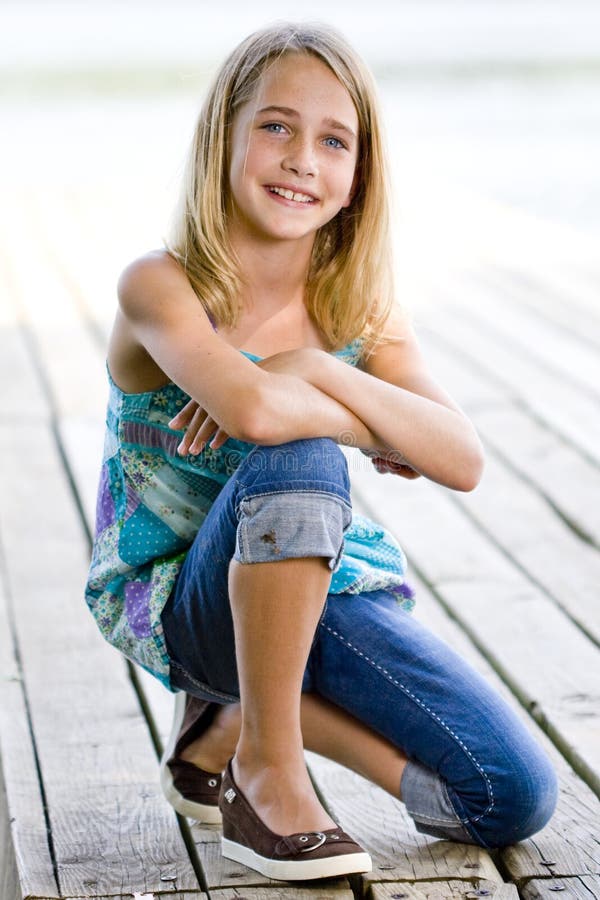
(288,111)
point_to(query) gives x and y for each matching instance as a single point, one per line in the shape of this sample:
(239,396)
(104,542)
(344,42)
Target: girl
(235,572)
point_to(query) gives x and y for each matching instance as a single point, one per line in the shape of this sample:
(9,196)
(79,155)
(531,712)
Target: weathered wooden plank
(562,406)
(509,616)
(582,888)
(120,701)
(61,341)
(22,397)
(524,507)
(10,887)
(111,830)
(532,336)
(85,247)
(548,297)
(25,860)
(330,889)
(527,528)
(145,895)
(550,463)
(443,890)
(555,468)
(570,482)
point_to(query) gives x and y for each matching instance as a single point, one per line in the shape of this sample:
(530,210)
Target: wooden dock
(509,575)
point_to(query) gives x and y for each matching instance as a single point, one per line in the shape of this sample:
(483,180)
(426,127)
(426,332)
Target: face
(293,152)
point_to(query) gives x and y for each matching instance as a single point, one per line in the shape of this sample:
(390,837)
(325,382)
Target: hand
(392,462)
(199,427)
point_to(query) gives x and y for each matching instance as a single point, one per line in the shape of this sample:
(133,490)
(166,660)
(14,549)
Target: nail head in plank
(582,888)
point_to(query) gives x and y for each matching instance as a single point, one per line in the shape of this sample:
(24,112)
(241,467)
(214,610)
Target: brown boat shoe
(191,791)
(295,857)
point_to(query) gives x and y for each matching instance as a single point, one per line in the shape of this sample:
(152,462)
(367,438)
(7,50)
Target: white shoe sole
(202,812)
(297,870)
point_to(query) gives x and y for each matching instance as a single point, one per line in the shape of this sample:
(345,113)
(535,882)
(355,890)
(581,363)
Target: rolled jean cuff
(426,799)
(291,524)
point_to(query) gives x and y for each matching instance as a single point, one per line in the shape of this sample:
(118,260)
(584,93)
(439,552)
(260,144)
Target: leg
(330,731)
(326,729)
(245,628)
(276,608)
(474,773)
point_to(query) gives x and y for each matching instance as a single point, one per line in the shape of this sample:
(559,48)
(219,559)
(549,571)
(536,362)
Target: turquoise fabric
(151,502)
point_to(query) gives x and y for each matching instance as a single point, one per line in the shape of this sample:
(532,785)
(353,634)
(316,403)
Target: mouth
(288,194)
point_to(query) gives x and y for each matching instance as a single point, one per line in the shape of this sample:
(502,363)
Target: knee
(524,799)
(529,800)
(294,502)
(312,463)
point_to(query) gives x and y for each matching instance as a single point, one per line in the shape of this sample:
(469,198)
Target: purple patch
(137,595)
(105,507)
(133,501)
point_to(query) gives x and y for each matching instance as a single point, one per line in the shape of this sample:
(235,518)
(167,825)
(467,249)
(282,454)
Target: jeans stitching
(434,715)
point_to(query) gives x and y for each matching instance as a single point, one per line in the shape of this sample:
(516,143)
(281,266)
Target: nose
(300,158)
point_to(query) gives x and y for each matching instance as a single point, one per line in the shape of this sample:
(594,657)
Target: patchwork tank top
(151,503)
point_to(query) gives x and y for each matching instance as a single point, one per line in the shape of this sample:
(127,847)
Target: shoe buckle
(318,834)
(230,795)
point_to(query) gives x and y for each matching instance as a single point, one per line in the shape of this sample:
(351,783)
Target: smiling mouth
(291,195)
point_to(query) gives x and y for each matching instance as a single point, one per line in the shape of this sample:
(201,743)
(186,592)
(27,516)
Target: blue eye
(335,143)
(274,127)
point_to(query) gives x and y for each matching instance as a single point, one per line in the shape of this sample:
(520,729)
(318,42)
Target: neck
(274,272)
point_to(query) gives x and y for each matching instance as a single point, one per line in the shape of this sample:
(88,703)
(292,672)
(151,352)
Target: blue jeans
(474,774)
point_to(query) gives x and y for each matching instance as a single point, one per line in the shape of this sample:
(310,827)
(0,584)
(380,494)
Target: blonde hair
(350,285)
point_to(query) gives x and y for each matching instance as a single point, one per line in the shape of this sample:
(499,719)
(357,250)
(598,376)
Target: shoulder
(399,360)
(148,281)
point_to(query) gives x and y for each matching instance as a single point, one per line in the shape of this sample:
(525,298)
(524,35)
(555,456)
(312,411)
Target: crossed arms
(392,409)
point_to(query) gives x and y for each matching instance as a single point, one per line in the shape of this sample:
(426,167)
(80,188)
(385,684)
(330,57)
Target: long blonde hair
(349,290)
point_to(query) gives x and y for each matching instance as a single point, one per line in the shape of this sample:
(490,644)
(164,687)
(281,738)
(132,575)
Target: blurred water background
(489,105)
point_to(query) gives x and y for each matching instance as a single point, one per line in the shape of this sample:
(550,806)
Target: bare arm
(162,315)
(403,407)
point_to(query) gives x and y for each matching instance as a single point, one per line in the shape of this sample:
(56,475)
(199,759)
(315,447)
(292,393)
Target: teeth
(290,195)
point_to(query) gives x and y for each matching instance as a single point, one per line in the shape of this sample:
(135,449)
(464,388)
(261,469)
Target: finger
(191,432)
(203,435)
(219,439)
(184,416)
